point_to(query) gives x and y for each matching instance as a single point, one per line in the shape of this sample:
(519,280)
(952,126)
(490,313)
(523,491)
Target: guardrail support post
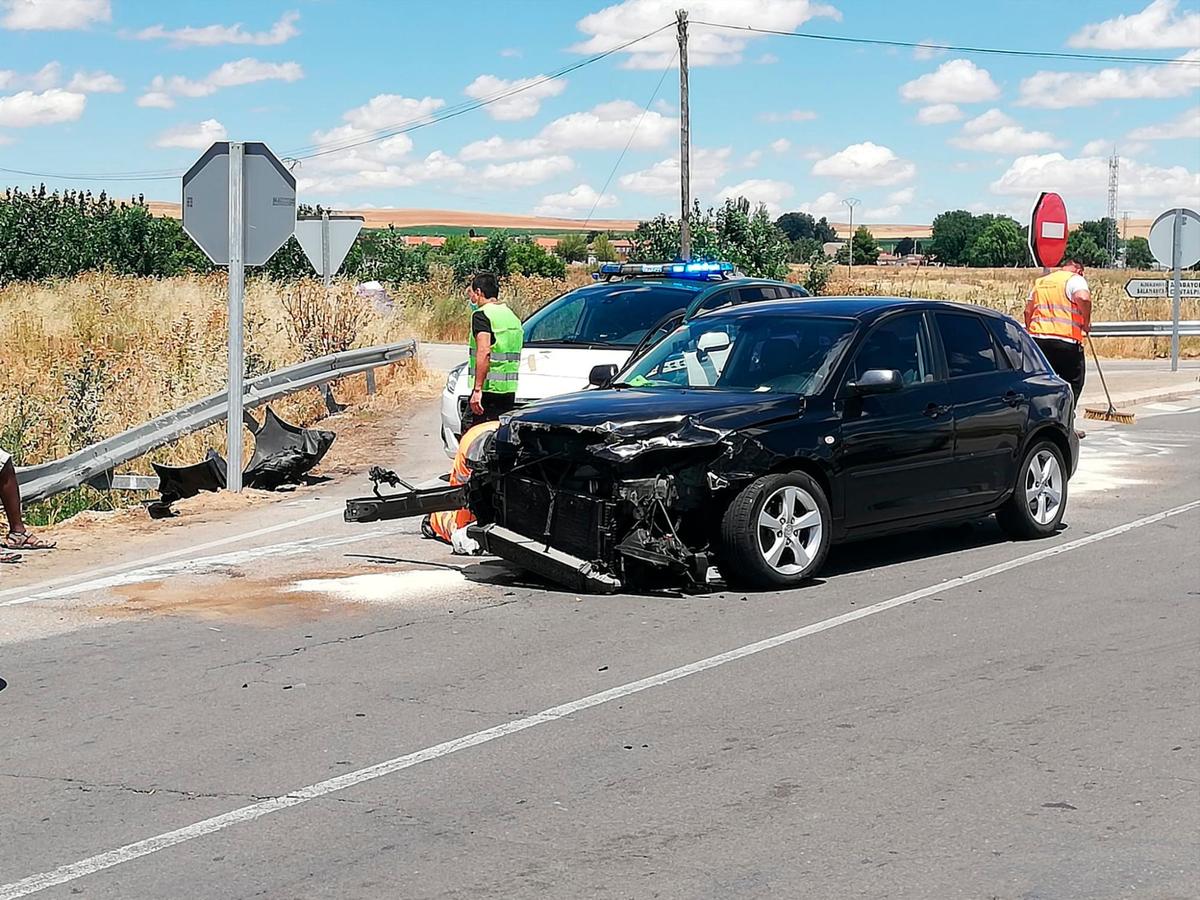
(370,382)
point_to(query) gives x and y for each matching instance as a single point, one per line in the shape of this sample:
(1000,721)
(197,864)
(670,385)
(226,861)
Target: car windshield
(780,353)
(617,314)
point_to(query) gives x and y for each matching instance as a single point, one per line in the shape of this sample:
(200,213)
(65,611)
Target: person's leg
(10,496)
(1080,371)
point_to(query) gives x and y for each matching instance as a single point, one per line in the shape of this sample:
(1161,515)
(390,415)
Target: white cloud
(524,105)
(281,32)
(96,83)
(956,81)
(231,74)
(315,176)
(525,172)
(193,136)
(783,145)
(43,79)
(608,126)
(1098,147)
(1155,27)
(28,108)
(502,148)
(866,163)
(5,139)
(902,196)
(53,15)
(511,53)
(766,191)
(1186,125)
(829,205)
(624,21)
(997,132)
(767,59)
(752,159)
(1143,187)
(791,115)
(939,114)
(1059,90)
(582,198)
(708,167)
(881,213)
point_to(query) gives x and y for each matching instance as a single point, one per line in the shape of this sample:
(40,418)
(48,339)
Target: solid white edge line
(110,858)
(142,563)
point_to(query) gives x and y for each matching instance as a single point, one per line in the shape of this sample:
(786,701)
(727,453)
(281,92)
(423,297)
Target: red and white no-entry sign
(1048,230)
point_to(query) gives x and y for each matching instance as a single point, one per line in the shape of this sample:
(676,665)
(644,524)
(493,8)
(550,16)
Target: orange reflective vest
(447,522)
(1054,314)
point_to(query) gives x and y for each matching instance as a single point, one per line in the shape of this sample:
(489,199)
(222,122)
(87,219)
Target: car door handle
(933,410)
(1012,398)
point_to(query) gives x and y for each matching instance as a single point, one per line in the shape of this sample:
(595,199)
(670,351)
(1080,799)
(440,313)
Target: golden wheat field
(90,357)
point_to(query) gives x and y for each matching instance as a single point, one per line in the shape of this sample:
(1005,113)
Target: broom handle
(1103,383)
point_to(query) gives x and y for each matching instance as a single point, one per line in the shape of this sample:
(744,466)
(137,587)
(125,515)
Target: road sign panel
(342,230)
(269,203)
(1159,288)
(1048,230)
(1162,236)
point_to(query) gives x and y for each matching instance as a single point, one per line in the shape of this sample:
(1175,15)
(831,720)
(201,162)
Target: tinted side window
(899,344)
(794,292)
(1035,361)
(969,347)
(756,293)
(716,301)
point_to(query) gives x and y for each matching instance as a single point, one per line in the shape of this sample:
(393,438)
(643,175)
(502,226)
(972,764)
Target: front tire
(1039,498)
(776,532)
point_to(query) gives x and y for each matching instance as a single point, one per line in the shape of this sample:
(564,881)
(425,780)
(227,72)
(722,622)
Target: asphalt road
(944,715)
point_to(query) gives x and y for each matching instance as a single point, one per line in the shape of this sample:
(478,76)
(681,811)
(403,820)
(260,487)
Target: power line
(318,150)
(998,51)
(632,134)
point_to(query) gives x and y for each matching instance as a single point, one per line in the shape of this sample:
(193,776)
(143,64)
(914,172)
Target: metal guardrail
(1188,328)
(90,463)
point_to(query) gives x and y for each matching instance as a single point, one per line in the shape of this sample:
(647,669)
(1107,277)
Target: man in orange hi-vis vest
(450,525)
(1059,316)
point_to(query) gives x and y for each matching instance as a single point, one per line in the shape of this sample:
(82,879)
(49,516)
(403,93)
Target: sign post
(1175,242)
(239,206)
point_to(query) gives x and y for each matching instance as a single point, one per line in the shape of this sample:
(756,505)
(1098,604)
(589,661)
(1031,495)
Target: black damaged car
(749,440)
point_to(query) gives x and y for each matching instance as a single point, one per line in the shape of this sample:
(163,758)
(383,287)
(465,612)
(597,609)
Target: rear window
(617,314)
(1019,349)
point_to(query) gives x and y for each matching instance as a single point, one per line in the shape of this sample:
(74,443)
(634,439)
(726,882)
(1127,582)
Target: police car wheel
(1039,498)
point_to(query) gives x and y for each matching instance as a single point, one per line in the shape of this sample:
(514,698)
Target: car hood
(630,421)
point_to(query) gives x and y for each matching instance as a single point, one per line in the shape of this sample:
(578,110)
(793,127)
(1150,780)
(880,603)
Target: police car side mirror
(602,376)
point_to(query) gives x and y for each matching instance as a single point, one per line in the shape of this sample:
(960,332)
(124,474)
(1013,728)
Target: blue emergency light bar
(699,270)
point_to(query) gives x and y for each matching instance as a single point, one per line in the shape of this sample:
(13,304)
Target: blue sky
(128,86)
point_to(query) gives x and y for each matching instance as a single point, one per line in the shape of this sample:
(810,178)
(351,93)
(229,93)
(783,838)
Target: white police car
(628,308)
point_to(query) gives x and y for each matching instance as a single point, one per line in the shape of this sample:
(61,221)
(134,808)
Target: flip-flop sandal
(9,558)
(23,540)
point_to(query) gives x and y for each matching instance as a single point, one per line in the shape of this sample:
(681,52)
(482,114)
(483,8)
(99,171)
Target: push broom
(1112,414)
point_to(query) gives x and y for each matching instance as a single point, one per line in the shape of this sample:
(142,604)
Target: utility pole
(851,202)
(685,140)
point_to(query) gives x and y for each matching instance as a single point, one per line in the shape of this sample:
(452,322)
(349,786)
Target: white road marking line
(110,858)
(220,542)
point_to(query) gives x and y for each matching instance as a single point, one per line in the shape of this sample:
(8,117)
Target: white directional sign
(1160,288)
(269,203)
(327,240)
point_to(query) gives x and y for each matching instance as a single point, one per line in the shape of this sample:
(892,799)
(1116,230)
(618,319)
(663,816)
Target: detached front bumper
(555,565)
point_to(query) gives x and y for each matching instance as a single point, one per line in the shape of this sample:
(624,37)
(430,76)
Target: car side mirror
(602,376)
(877,381)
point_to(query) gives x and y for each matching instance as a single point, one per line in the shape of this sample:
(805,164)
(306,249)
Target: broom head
(1109,414)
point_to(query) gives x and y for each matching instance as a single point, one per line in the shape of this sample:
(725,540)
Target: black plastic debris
(283,452)
(180,482)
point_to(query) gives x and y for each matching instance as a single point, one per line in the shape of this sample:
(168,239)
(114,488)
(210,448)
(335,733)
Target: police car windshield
(615,315)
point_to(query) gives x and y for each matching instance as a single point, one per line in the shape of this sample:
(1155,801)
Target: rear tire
(776,532)
(1039,498)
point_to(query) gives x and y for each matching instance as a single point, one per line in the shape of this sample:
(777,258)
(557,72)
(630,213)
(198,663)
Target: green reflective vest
(505,357)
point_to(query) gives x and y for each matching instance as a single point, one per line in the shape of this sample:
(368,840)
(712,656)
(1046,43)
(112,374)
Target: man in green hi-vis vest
(495,352)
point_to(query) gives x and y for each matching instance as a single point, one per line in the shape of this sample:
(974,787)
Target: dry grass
(1008,289)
